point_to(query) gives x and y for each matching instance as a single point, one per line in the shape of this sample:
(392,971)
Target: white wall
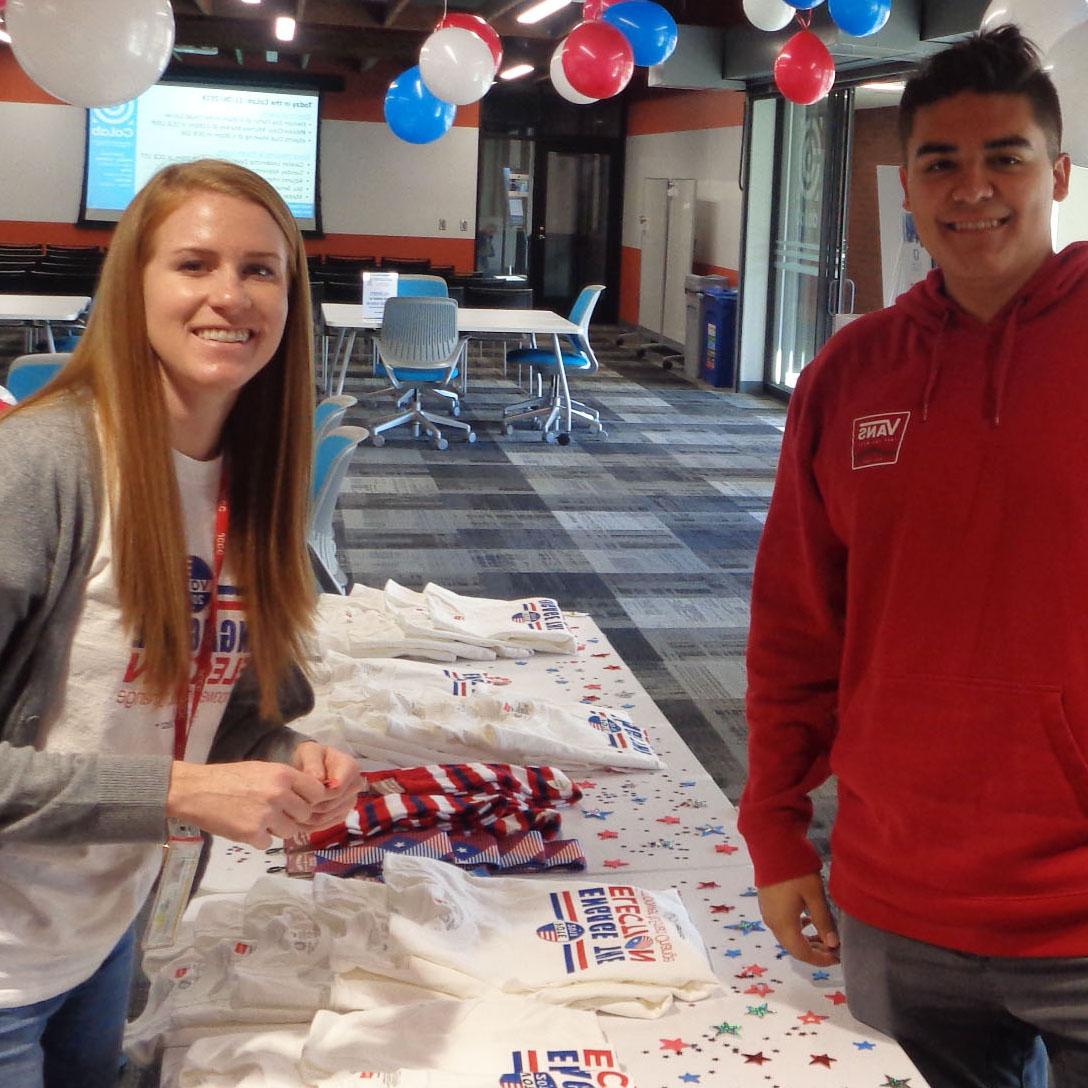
(710,156)
(1071,219)
(371,182)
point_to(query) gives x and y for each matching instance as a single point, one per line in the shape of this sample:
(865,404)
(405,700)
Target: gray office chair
(331,459)
(419,349)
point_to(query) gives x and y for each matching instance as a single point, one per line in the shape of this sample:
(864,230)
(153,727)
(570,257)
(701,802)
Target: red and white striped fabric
(500,797)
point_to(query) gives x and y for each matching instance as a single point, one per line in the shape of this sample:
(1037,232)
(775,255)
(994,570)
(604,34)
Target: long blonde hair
(266,442)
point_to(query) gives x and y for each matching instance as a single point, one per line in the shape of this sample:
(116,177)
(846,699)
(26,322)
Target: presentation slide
(273,132)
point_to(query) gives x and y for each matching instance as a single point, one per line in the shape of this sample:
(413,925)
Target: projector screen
(273,131)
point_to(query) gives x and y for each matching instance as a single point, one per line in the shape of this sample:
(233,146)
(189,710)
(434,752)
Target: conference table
(43,310)
(347,320)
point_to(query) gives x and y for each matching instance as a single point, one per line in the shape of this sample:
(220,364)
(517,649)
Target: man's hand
(793,904)
(338,772)
(247,802)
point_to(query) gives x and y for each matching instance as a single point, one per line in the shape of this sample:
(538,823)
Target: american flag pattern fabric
(501,798)
(480,852)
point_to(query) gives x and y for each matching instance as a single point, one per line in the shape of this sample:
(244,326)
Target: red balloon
(593,9)
(480,27)
(804,71)
(597,60)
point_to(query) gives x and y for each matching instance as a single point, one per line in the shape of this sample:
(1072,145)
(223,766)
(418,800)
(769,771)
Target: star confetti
(755,1059)
(753,970)
(836,998)
(865,1044)
(822,1059)
(725,848)
(704,884)
(675,1045)
(727,1029)
(760,989)
(586,784)
(820,976)
(690,1078)
(668,819)
(615,863)
(597,813)
(758,1010)
(895,1082)
(721,908)
(811,1017)
(608,834)
(747,926)
(733,953)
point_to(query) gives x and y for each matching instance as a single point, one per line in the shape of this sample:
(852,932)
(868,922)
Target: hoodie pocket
(987,755)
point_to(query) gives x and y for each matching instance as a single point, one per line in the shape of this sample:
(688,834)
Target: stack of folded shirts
(433,929)
(498,797)
(479,852)
(436,1044)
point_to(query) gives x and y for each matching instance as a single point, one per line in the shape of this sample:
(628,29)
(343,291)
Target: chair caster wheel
(441,444)
(550,437)
(564,439)
(508,429)
(455,411)
(377,440)
(471,437)
(596,428)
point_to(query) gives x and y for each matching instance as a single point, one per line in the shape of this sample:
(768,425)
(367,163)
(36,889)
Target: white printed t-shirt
(63,908)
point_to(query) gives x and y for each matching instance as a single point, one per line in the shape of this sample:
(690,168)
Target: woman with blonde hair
(154,595)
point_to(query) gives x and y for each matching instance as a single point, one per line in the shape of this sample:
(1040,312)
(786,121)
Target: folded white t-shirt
(535,622)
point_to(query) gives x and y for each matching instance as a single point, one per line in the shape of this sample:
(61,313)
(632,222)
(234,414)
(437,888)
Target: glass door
(575,237)
(808,216)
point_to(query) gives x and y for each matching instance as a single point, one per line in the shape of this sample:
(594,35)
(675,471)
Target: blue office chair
(331,459)
(329,413)
(419,349)
(28,373)
(411,285)
(553,412)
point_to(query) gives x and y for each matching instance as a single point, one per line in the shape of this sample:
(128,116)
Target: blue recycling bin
(716,362)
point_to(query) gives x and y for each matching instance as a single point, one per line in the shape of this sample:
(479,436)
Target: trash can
(693,296)
(716,365)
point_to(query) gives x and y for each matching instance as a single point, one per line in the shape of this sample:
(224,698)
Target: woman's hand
(247,802)
(338,772)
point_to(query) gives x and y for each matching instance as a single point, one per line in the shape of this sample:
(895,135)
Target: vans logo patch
(877,440)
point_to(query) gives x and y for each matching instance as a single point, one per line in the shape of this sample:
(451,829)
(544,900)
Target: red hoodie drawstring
(1004,362)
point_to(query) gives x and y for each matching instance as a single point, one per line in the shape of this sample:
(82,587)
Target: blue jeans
(970,1021)
(72,1040)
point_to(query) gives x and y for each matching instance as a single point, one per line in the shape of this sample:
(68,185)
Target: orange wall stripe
(16,85)
(681,111)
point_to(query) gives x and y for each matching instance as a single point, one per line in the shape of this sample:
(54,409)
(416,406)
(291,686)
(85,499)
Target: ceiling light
(516,71)
(890,88)
(251,1)
(285,28)
(541,10)
(5,36)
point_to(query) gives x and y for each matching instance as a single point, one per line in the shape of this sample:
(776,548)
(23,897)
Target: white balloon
(1043,21)
(456,65)
(91,54)
(1066,64)
(560,81)
(769,14)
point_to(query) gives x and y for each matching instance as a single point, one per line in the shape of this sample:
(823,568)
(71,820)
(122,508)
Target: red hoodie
(920,622)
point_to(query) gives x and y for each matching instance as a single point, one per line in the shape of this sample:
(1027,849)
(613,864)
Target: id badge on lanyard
(184,843)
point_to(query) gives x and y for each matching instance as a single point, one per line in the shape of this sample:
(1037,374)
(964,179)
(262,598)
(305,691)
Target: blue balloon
(649,28)
(413,113)
(860,18)
(804,5)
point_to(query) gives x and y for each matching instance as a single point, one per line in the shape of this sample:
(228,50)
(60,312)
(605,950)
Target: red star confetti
(811,1017)
(822,1059)
(704,884)
(585,784)
(721,908)
(668,819)
(754,970)
(613,668)
(615,863)
(725,848)
(608,834)
(837,998)
(755,1059)
(760,989)
(591,698)
(675,1045)
(599,655)
(592,687)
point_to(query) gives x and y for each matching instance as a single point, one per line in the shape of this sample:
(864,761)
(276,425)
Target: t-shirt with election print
(63,908)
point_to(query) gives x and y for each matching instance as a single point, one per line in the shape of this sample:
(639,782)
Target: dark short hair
(998,61)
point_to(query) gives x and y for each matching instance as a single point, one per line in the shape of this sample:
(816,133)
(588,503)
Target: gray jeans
(970,1021)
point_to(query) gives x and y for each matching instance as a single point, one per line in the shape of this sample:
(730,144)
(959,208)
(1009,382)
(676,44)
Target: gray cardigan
(50,501)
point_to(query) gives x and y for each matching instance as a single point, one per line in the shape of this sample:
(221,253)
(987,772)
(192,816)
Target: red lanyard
(186,706)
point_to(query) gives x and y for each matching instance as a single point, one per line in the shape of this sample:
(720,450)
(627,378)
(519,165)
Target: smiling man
(920,610)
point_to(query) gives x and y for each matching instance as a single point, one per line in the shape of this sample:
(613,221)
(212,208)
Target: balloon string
(805,19)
